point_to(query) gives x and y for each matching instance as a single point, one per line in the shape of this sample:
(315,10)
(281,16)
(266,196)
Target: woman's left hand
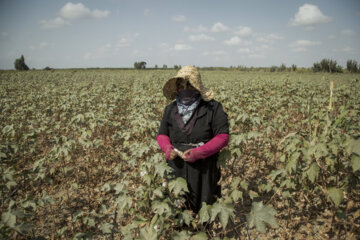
(190,155)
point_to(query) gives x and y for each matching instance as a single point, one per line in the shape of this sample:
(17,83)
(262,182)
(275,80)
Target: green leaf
(274,173)
(204,213)
(235,183)
(244,184)
(336,195)
(200,236)
(178,186)
(148,233)
(223,209)
(9,219)
(183,235)
(186,217)
(313,172)
(355,162)
(260,216)
(236,195)
(123,203)
(224,156)
(24,228)
(292,163)
(352,146)
(160,207)
(106,227)
(161,169)
(83,236)
(321,150)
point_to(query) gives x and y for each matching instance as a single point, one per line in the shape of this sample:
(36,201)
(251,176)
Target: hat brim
(170,90)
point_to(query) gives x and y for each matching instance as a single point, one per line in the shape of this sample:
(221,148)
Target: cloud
(182,47)
(179,18)
(219,27)
(348,32)
(345,50)
(200,38)
(306,43)
(4,34)
(54,23)
(309,15)
(299,49)
(199,29)
(243,31)
(256,55)
(214,53)
(76,11)
(269,38)
(244,50)
(332,36)
(39,46)
(236,41)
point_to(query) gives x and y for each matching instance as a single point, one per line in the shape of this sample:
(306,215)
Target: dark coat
(203,175)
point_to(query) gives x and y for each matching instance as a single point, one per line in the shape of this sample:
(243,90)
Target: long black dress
(203,175)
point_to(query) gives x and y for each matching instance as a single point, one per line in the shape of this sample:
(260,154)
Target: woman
(193,129)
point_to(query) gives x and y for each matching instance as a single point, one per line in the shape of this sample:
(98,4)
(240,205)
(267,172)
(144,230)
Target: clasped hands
(187,156)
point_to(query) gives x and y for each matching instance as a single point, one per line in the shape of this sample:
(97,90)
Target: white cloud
(179,18)
(199,29)
(43,44)
(309,15)
(164,45)
(332,36)
(244,50)
(345,49)
(182,47)
(269,38)
(348,32)
(236,41)
(299,49)
(306,43)
(200,38)
(53,23)
(243,31)
(214,53)
(256,55)
(122,42)
(4,34)
(39,46)
(219,27)
(75,11)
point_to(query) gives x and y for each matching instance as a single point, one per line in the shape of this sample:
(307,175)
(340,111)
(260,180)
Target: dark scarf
(185,113)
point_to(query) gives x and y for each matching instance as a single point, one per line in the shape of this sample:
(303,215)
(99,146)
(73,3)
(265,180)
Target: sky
(117,33)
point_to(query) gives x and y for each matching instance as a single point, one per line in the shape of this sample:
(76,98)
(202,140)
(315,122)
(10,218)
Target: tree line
(325,65)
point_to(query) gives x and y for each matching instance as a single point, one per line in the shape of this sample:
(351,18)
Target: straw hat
(191,74)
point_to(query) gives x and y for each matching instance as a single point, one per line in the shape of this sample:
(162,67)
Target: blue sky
(116,33)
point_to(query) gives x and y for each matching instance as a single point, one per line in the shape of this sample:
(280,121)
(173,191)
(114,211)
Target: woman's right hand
(172,154)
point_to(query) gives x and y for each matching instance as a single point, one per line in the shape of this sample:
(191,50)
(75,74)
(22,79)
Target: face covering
(188,96)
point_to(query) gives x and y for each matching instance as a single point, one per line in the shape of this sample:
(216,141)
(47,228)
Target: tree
(327,65)
(273,68)
(293,67)
(19,64)
(156,66)
(140,65)
(282,67)
(164,66)
(352,66)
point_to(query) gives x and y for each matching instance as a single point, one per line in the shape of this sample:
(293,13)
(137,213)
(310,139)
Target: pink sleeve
(165,144)
(209,148)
